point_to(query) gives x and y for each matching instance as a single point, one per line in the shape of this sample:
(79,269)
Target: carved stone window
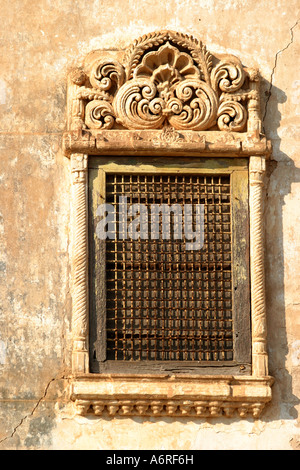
(168,114)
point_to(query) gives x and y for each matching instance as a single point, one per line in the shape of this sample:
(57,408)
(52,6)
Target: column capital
(79,166)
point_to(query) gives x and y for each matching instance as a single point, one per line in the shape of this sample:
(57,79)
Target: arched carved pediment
(164,79)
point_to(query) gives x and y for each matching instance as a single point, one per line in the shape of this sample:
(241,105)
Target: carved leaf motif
(169,135)
(232,116)
(196,49)
(167,64)
(140,45)
(207,58)
(99,115)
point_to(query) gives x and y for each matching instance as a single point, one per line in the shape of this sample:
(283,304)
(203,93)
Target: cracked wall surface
(40,42)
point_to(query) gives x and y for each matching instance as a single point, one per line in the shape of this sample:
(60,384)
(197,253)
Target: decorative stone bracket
(162,395)
(166,95)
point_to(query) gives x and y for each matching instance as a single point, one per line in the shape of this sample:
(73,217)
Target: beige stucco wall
(40,40)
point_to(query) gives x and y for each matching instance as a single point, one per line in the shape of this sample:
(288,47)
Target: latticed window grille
(165,302)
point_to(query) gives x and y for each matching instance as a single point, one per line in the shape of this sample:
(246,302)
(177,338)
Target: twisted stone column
(258,305)
(79,264)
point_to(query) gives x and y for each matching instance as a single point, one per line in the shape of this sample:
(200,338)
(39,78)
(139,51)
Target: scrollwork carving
(191,106)
(166,86)
(99,114)
(167,79)
(232,116)
(104,73)
(200,111)
(228,76)
(137,105)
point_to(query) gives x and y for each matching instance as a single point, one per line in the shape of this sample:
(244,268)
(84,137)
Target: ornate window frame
(165,95)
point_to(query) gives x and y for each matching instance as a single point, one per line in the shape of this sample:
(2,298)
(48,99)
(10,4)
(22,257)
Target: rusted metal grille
(165,302)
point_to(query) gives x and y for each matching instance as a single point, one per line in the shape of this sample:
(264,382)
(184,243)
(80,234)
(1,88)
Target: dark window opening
(165,302)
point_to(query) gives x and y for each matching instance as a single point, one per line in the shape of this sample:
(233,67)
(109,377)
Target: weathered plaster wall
(39,42)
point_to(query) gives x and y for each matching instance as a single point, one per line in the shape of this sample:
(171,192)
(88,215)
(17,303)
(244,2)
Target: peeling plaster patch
(2,266)
(233,4)
(2,91)
(296,96)
(45,154)
(295,353)
(2,352)
(1,224)
(14,161)
(39,433)
(59,64)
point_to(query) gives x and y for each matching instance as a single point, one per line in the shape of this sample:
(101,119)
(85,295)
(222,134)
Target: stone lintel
(166,142)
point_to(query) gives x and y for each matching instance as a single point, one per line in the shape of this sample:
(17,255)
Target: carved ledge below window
(177,396)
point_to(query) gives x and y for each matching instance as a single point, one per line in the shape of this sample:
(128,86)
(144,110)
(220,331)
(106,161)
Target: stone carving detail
(167,79)
(166,86)
(99,114)
(197,409)
(228,76)
(177,395)
(231,116)
(107,73)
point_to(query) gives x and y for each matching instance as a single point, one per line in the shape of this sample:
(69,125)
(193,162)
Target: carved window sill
(163,395)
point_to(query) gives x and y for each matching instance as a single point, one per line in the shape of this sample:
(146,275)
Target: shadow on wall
(281,173)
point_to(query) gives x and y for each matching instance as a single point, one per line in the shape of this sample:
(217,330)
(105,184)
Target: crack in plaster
(275,65)
(32,411)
